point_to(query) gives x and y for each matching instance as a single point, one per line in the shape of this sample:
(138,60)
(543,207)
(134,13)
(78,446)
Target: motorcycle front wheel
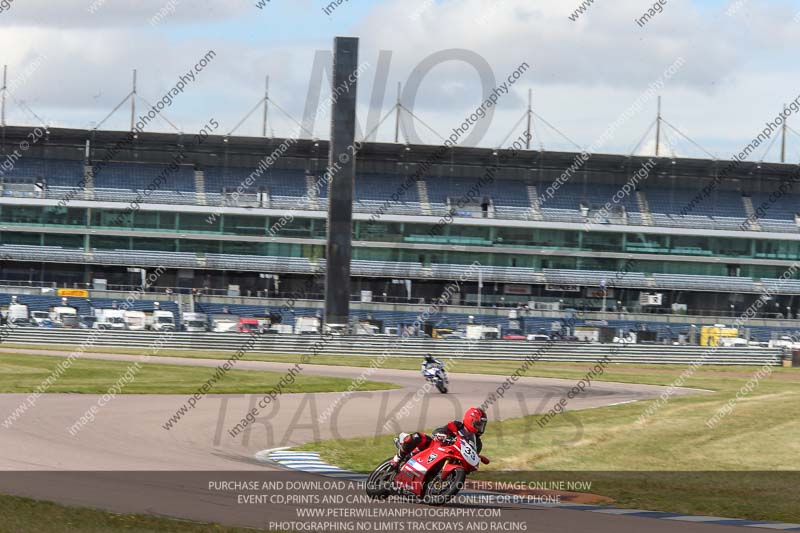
(439,491)
(379,483)
(441,386)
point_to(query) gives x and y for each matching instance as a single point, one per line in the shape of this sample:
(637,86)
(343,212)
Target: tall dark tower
(340,188)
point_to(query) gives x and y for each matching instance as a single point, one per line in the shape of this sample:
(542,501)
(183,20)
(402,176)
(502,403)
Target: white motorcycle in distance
(433,372)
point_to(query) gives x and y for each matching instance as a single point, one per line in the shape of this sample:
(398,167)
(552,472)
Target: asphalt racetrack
(126,461)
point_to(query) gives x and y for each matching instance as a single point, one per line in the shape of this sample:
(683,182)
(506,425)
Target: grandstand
(67,219)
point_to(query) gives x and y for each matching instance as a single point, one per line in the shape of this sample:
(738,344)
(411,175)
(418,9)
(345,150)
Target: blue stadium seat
(54,172)
(138,176)
(501,192)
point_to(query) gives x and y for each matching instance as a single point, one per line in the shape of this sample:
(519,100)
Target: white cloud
(584,73)
(118,13)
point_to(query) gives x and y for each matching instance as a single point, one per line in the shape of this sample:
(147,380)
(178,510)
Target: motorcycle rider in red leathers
(474,422)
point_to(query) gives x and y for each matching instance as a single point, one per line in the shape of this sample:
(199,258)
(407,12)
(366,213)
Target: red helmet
(475,420)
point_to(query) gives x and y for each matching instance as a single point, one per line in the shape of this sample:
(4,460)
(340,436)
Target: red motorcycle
(433,476)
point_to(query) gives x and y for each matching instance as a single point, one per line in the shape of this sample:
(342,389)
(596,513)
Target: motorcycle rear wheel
(439,491)
(379,483)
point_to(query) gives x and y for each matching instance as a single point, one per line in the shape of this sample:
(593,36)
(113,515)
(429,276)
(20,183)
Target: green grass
(250,355)
(22,373)
(624,373)
(748,466)
(23,515)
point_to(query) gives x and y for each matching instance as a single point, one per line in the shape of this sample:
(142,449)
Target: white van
(135,320)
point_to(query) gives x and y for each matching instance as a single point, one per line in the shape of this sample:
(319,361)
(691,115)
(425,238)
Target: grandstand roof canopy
(244,151)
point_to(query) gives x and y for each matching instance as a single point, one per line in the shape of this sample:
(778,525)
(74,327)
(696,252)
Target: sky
(722,67)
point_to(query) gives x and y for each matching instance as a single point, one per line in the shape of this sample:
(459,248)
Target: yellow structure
(438,332)
(75,293)
(710,335)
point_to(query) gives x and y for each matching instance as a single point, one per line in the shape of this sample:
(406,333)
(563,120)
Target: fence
(367,346)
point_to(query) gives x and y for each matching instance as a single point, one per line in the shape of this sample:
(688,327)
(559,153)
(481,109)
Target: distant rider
(473,424)
(429,363)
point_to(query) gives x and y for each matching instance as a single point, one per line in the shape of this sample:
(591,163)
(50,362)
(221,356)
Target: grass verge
(21,373)
(655,375)
(23,515)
